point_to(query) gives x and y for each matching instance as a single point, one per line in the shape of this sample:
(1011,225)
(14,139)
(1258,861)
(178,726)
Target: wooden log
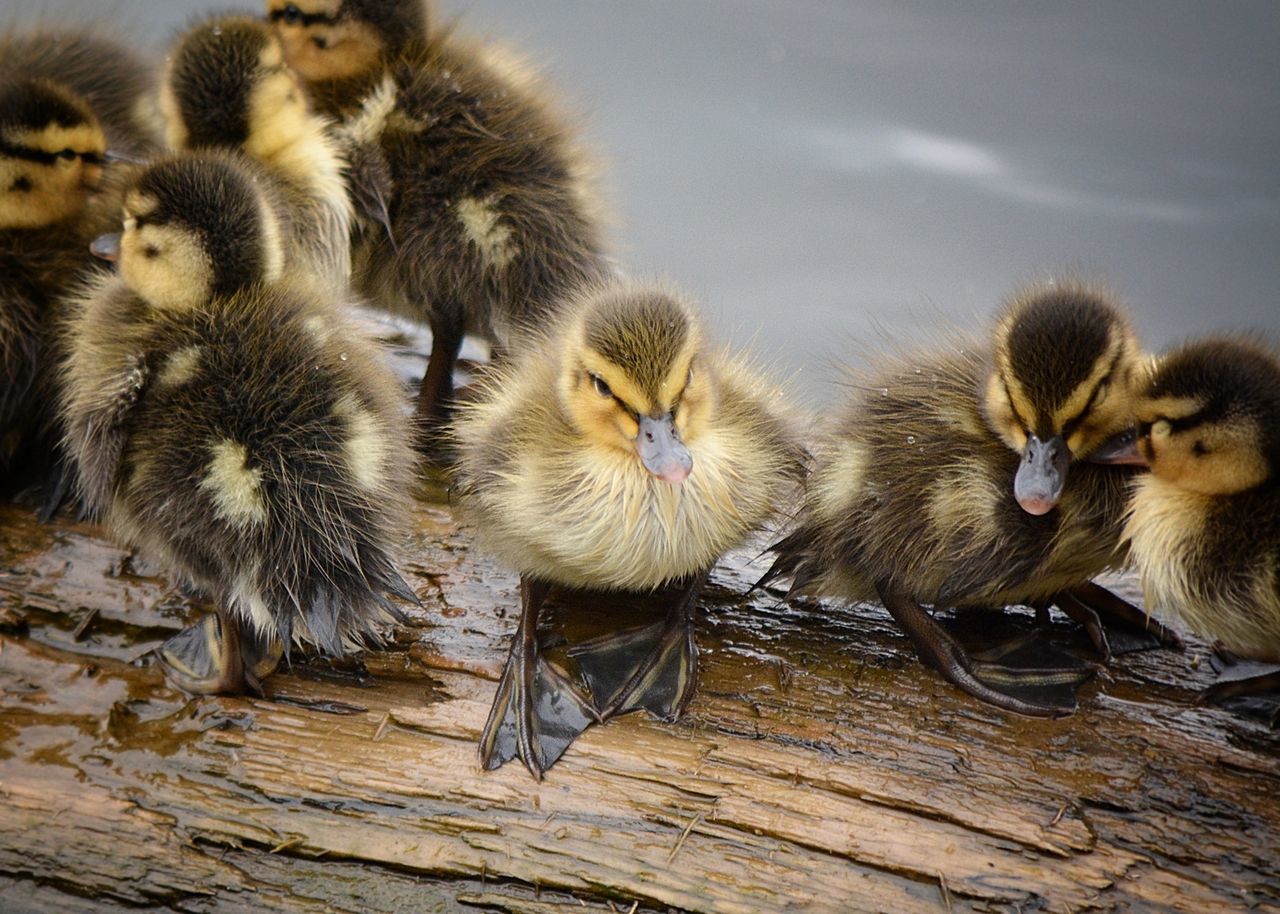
(820,768)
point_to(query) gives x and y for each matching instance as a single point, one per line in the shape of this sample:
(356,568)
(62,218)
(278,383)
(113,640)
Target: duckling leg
(981,680)
(537,711)
(206,659)
(1092,605)
(435,396)
(666,676)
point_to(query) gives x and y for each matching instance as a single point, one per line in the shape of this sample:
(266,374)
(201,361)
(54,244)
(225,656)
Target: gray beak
(1042,475)
(1119,449)
(661,450)
(106,247)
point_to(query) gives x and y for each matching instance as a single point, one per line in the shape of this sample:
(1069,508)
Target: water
(821,172)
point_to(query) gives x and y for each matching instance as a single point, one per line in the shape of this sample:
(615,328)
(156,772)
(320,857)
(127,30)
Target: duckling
(477,206)
(51,165)
(1204,525)
(226,87)
(112,80)
(964,478)
(225,419)
(618,452)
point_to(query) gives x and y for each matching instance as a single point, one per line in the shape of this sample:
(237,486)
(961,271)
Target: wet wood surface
(820,767)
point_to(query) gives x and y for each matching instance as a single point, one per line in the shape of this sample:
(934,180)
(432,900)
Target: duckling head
(1209,417)
(226,86)
(52,152)
(1061,387)
(327,40)
(195,226)
(630,379)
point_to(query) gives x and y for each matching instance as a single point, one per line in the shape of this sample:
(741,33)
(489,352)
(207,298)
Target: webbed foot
(654,668)
(1114,625)
(1251,685)
(537,712)
(1045,689)
(213,657)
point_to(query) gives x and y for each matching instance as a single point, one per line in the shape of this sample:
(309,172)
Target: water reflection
(822,170)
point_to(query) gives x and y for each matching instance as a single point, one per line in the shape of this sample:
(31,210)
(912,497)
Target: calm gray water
(824,171)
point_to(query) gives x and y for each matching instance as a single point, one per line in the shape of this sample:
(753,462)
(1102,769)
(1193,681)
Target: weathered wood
(820,768)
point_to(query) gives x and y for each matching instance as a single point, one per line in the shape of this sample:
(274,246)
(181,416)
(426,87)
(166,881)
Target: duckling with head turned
(110,78)
(226,419)
(617,453)
(226,86)
(478,211)
(1204,525)
(52,150)
(964,478)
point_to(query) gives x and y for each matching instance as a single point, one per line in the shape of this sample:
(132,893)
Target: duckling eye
(602,388)
(67,155)
(21,185)
(291,14)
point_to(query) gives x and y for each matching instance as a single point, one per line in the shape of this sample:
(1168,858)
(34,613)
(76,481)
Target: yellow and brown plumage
(1204,525)
(226,419)
(225,86)
(478,211)
(52,158)
(618,452)
(963,477)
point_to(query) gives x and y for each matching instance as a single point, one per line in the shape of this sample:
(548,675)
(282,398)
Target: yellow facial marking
(323,51)
(480,220)
(234,487)
(1212,458)
(180,367)
(165,265)
(37,194)
(365,447)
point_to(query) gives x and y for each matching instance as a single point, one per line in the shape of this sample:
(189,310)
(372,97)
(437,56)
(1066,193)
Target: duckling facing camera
(226,87)
(476,208)
(52,150)
(964,478)
(1204,525)
(617,453)
(227,420)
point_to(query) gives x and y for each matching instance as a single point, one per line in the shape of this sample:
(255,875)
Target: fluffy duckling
(476,202)
(1204,525)
(112,80)
(51,162)
(226,420)
(617,453)
(963,478)
(226,87)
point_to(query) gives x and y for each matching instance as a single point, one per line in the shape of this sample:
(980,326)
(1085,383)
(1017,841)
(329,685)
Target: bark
(820,767)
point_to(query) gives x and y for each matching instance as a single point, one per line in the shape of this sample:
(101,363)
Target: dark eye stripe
(1074,422)
(28,154)
(292,14)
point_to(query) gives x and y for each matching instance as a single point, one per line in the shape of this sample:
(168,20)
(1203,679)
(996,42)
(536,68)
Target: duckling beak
(106,247)
(1042,475)
(661,450)
(1121,448)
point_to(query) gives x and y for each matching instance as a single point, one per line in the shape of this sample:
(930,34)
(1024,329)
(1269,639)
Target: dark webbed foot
(1114,625)
(215,657)
(1035,691)
(1248,685)
(537,712)
(654,668)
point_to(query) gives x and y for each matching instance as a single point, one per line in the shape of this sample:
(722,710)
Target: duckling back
(264,458)
(226,87)
(492,209)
